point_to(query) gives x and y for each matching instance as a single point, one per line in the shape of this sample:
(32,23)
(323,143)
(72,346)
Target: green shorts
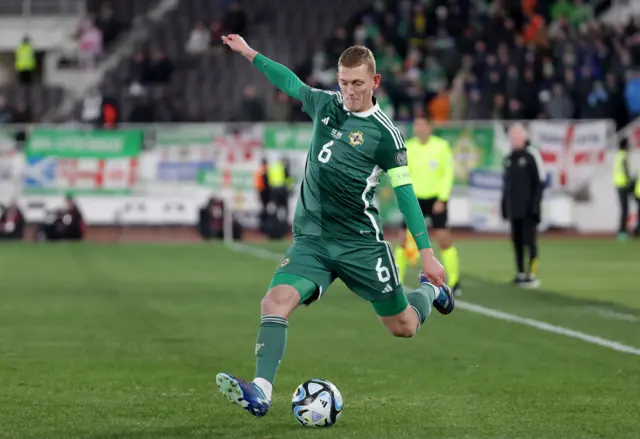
(366,267)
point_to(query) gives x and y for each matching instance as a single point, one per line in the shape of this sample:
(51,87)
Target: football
(317,403)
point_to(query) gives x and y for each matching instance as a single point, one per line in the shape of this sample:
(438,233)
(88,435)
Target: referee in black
(524,180)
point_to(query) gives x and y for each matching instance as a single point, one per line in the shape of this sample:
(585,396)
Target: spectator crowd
(149,72)
(94,35)
(480,60)
(447,59)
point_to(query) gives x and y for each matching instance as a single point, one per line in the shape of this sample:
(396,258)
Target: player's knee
(281,300)
(444,238)
(403,330)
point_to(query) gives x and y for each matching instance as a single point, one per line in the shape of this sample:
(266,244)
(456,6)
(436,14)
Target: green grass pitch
(124,341)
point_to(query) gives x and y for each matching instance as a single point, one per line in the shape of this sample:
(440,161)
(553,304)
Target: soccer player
(432,173)
(337,231)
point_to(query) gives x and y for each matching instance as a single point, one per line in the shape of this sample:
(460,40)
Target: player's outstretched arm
(391,155)
(279,75)
(408,205)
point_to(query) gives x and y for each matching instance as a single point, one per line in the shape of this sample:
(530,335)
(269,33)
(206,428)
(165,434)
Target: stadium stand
(208,86)
(21,103)
(28,104)
(452,59)
(458,59)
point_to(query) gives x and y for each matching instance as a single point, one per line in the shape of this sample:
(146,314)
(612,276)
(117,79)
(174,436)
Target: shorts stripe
(394,267)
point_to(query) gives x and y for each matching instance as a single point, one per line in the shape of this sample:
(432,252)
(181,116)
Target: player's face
(357,85)
(422,128)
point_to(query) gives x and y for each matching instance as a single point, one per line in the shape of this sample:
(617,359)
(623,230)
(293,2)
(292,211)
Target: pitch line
(614,345)
(482,310)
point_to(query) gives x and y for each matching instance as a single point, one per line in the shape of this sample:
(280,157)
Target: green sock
(421,301)
(272,339)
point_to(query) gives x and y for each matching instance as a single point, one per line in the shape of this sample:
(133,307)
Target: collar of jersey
(367,113)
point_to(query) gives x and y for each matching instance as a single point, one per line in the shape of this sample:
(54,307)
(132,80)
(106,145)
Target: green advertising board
(287,136)
(236,180)
(88,162)
(84,144)
(185,135)
(472,148)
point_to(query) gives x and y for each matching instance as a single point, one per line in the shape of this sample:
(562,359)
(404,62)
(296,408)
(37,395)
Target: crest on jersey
(285,261)
(356,138)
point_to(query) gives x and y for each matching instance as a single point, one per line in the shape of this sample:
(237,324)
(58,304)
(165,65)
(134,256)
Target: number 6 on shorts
(383,272)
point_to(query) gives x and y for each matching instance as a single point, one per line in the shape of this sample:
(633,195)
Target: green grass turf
(106,341)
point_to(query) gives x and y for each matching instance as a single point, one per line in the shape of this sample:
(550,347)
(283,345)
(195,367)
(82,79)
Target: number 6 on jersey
(383,272)
(325,154)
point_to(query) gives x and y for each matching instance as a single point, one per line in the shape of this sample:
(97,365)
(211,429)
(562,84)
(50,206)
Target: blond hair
(356,56)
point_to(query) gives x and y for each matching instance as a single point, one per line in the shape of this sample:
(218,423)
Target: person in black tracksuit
(524,180)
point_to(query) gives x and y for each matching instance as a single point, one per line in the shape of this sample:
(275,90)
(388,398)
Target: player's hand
(431,267)
(438,207)
(239,45)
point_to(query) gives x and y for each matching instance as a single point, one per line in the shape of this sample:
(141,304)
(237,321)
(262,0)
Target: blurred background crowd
(448,59)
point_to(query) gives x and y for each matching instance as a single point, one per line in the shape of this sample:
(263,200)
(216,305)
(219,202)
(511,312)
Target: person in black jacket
(211,219)
(524,180)
(12,222)
(63,224)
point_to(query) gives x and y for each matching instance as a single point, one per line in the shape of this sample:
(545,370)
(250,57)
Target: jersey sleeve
(284,79)
(391,155)
(412,214)
(313,99)
(280,76)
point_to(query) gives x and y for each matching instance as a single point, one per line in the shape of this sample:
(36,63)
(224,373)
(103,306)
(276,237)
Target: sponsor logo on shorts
(285,261)
(258,346)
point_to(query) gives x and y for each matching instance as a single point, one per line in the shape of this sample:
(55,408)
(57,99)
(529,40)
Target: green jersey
(349,153)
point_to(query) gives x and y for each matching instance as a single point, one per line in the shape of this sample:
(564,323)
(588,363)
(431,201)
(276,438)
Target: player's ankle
(265,386)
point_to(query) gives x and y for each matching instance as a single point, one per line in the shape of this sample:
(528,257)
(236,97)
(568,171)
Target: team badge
(258,346)
(401,158)
(284,262)
(356,138)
